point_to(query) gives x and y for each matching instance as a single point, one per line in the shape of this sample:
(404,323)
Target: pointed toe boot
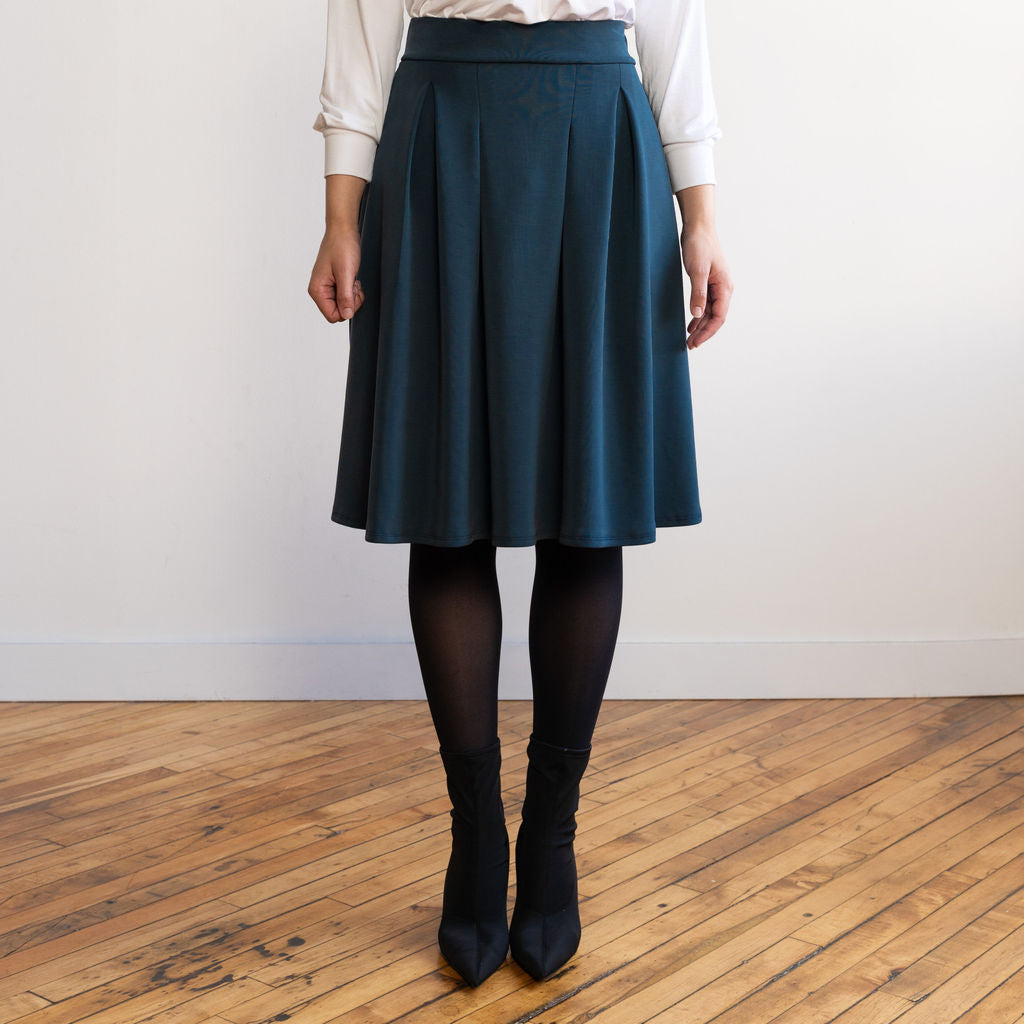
(473,934)
(545,929)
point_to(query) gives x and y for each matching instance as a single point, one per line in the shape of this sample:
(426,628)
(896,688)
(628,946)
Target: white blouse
(363,39)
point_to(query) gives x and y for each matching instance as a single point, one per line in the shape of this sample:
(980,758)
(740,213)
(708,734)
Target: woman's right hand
(333,285)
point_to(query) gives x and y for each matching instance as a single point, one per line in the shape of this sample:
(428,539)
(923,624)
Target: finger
(721,299)
(321,291)
(698,292)
(347,300)
(698,325)
(708,327)
(692,330)
(714,315)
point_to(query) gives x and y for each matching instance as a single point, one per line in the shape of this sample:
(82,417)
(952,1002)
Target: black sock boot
(473,935)
(545,928)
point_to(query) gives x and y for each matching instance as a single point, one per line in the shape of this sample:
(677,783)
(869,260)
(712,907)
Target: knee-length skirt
(518,369)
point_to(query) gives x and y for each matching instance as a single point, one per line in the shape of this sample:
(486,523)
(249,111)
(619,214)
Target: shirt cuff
(690,163)
(349,152)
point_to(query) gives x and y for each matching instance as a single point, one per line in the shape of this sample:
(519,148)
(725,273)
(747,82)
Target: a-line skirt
(518,368)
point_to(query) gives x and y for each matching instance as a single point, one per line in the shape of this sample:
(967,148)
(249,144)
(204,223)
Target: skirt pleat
(518,369)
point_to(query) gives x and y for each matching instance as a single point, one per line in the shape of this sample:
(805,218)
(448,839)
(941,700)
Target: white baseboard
(390,671)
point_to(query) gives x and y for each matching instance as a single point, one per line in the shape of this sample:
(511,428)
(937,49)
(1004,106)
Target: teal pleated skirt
(518,369)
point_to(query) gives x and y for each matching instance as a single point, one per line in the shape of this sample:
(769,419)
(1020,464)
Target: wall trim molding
(389,671)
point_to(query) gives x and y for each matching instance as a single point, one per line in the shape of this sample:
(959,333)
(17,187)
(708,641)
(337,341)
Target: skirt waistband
(557,42)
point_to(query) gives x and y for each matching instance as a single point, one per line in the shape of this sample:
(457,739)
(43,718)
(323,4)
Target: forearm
(344,192)
(697,205)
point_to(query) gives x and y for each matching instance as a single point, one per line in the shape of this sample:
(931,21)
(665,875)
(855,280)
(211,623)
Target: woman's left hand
(711,284)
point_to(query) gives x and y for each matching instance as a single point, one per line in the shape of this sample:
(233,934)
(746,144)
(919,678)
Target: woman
(517,373)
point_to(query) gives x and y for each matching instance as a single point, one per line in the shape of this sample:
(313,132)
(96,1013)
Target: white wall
(172,399)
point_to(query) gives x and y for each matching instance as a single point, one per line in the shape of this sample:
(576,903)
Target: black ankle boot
(473,935)
(545,928)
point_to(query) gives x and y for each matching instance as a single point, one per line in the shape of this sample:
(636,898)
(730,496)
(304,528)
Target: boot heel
(545,929)
(473,933)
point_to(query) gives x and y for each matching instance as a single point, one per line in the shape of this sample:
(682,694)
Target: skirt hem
(516,540)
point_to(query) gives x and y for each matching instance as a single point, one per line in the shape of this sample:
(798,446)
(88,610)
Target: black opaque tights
(455,611)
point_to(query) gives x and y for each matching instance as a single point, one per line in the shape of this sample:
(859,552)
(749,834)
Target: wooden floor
(795,861)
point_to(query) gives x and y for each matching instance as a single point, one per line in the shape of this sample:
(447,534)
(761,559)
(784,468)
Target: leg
(456,618)
(455,609)
(574,621)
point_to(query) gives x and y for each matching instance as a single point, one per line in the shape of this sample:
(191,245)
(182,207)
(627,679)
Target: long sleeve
(363,37)
(672,47)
